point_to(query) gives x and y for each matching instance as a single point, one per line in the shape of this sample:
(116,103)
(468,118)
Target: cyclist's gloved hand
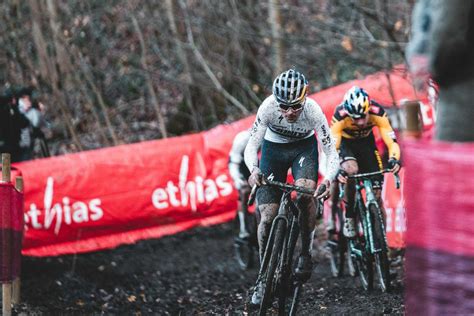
(322,192)
(342,176)
(256,177)
(394,165)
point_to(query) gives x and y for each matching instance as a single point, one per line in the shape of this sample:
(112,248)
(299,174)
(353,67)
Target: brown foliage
(107,79)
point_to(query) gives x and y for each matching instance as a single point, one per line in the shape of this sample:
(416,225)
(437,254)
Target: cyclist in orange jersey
(351,126)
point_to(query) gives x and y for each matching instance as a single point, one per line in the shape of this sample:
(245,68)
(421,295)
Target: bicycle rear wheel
(382,264)
(271,277)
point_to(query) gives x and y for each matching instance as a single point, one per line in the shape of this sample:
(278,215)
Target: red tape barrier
(440,215)
(11,231)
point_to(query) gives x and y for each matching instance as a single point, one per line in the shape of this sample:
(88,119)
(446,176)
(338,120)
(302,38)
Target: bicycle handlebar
(282,186)
(369,175)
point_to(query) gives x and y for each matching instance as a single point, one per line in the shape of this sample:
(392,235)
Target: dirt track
(187,274)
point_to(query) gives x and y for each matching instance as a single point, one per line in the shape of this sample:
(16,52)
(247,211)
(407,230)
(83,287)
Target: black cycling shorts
(365,152)
(301,156)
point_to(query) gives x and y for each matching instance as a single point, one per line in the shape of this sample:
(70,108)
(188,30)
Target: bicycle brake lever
(397,180)
(319,208)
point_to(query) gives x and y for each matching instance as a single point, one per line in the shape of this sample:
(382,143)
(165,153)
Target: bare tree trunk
(151,89)
(64,63)
(184,60)
(68,57)
(90,106)
(90,81)
(277,38)
(383,15)
(48,69)
(206,67)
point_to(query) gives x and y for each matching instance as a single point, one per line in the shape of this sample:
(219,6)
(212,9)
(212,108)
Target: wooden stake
(413,123)
(17,282)
(7,287)
(7,299)
(19,184)
(16,288)
(6,167)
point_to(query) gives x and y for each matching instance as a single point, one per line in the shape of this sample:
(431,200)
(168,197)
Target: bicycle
(278,260)
(370,245)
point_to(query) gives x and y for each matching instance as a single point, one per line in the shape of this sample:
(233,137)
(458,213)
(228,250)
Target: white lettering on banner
(389,223)
(396,221)
(400,219)
(190,192)
(77,212)
(427,114)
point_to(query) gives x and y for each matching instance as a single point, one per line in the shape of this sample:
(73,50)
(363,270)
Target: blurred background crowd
(23,128)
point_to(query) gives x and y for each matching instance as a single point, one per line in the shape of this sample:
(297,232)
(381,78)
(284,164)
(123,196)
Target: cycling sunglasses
(294,107)
(358,117)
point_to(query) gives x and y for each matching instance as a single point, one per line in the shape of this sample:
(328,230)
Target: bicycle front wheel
(286,285)
(360,251)
(382,264)
(270,276)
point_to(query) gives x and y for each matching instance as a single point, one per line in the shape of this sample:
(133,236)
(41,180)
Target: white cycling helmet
(290,88)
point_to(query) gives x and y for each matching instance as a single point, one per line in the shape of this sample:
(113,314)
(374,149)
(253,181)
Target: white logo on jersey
(301,161)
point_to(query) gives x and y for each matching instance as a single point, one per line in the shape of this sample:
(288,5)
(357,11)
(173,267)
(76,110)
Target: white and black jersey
(273,127)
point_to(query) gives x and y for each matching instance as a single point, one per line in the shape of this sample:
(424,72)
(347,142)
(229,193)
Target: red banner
(441,213)
(440,252)
(103,198)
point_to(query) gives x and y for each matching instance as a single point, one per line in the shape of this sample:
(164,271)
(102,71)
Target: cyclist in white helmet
(285,128)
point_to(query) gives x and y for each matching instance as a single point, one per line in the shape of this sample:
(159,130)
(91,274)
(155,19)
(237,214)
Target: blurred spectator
(441,48)
(36,118)
(433,92)
(12,121)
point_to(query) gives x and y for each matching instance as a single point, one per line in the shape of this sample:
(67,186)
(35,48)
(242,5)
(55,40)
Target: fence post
(6,287)
(413,122)
(17,280)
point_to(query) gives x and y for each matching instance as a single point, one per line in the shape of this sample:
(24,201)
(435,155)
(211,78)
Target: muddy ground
(191,273)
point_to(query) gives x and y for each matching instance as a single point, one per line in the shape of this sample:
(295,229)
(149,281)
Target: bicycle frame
(364,182)
(366,216)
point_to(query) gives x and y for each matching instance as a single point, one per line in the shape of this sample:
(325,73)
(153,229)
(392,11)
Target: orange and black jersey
(342,126)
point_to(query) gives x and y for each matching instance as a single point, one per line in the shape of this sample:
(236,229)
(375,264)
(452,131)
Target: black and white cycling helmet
(290,88)
(356,102)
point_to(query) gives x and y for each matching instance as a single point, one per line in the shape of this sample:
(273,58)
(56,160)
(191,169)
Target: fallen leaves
(346,43)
